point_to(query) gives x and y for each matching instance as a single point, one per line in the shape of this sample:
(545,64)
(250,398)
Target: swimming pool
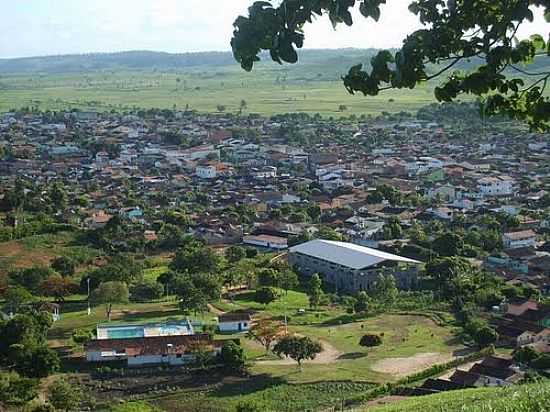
(170,328)
(126,333)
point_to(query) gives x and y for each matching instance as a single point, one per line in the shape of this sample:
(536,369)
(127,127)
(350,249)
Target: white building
(234,322)
(496,186)
(349,266)
(158,350)
(266,241)
(524,238)
(207,172)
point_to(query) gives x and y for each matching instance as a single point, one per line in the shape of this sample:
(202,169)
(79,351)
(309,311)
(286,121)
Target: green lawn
(528,398)
(294,305)
(153,273)
(268,394)
(403,337)
(204,92)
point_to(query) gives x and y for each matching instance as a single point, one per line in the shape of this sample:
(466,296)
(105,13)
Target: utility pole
(89,309)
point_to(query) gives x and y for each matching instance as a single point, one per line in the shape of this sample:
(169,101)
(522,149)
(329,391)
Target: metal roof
(346,254)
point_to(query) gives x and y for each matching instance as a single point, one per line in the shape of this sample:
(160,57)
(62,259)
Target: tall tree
(314,291)
(298,348)
(265,332)
(483,32)
(110,293)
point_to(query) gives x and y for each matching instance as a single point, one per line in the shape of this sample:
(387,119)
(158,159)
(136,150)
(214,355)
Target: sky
(53,27)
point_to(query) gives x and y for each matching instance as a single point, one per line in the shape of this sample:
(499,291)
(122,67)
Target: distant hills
(333,61)
(150,60)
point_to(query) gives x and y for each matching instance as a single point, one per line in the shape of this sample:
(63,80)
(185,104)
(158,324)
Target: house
(234,322)
(157,350)
(520,307)
(524,238)
(266,241)
(98,220)
(496,186)
(349,266)
(443,213)
(207,171)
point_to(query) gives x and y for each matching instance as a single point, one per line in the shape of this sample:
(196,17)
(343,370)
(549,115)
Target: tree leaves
(482,30)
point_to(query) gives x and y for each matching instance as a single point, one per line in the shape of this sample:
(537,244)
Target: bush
(233,356)
(370,340)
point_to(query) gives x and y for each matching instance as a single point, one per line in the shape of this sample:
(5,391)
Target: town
(176,249)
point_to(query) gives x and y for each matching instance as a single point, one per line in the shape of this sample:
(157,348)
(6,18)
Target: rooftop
(347,254)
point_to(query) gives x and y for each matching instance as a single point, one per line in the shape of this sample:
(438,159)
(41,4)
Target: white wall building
(207,172)
(496,186)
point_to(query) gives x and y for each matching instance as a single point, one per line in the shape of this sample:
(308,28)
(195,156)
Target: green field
(528,398)
(203,90)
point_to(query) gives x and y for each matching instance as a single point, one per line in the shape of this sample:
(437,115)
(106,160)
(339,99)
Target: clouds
(44,27)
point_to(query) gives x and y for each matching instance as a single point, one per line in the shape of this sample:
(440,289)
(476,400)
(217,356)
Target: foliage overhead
(453,32)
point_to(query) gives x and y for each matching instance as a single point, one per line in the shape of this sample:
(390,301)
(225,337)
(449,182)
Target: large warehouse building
(350,267)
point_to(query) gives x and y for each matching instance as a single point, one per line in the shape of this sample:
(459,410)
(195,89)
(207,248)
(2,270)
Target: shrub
(370,340)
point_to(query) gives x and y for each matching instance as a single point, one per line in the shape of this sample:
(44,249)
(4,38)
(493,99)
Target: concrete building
(156,350)
(234,322)
(524,238)
(351,267)
(496,186)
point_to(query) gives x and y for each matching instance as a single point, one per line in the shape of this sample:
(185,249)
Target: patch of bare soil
(407,366)
(329,355)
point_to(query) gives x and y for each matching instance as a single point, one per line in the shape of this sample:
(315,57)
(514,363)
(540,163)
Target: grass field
(203,89)
(266,393)
(40,250)
(528,398)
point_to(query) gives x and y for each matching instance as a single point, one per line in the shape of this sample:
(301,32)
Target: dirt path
(329,355)
(215,310)
(407,366)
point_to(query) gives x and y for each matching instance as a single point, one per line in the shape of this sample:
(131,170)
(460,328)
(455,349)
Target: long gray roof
(347,254)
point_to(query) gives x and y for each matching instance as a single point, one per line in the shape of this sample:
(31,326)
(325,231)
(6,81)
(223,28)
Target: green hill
(525,398)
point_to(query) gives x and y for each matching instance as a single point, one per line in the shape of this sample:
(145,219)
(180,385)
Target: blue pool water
(125,333)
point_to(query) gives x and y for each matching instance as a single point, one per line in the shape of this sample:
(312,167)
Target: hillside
(527,398)
(331,60)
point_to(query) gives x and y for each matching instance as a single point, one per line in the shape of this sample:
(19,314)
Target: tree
(233,356)
(288,279)
(444,270)
(384,289)
(58,287)
(64,265)
(191,298)
(449,244)
(235,253)
(265,332)
(109,293)
(298,348)
(30,278)
(453,32)
(16,390)
(64,396)
(268,277)
(16,296)
(146,291)
(266,295)
(314,292)
(34,360)
(370,340)
(195,257)
(82,336)
(362,302)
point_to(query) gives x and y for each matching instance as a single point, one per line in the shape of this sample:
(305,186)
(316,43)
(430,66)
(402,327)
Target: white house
(234,322)
(496,186)
(157,350)
(524,238)
(207,172)
(267,241)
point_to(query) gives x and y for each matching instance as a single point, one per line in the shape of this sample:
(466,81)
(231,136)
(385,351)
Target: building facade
(350,267)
